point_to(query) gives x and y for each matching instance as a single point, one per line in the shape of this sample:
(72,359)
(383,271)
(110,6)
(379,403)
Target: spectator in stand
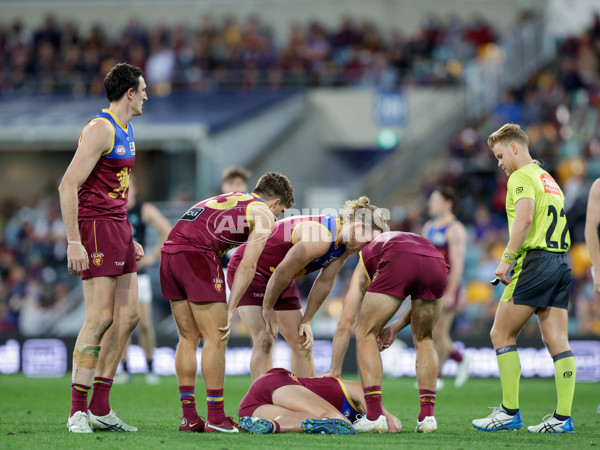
(478,32)
(56,58)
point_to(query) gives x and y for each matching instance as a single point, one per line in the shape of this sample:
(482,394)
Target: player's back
(214,225)
(103,195)
(283,239)
(396,242)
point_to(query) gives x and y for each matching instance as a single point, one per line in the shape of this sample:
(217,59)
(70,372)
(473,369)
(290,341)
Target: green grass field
(33,414)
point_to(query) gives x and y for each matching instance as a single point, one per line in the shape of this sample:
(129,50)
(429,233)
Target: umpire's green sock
(510,374)
(564,375)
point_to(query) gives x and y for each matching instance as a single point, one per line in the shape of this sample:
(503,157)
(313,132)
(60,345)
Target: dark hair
(275,185)
(120,79)
(450,195)
(236,172)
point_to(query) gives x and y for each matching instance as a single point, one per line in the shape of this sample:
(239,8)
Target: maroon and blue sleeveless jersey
(395,242)
(334,392)
(215,225)
(438,237)
(103,195)
(283,239)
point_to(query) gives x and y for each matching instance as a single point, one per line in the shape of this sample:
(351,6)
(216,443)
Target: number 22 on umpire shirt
(549,229)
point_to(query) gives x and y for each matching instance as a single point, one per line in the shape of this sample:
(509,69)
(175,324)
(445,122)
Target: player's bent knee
(494,336)
(131,321)
(499,337)
(100,324)
(214,338)
(264,343)
(300,351)
(363,330)
(420,338)
(188,338)
(556,345)
(424,330)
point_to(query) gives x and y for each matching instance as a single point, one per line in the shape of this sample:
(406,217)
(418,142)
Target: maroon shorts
(402,274)
(288,300)
(195,276)
(109,246)
(261,390)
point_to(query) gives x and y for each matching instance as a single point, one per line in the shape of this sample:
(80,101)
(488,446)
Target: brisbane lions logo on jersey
(97,258)
(218,284)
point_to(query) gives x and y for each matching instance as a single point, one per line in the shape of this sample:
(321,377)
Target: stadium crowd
(559,107)
(229,53)
(34,287)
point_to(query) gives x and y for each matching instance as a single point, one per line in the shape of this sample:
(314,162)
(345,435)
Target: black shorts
(544,279)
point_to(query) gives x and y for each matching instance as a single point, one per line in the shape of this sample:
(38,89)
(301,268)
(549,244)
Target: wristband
(77,243)
(508,256)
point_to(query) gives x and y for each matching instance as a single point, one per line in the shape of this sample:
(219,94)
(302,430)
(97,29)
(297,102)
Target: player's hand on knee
(386,338)
(306,331)
(227,328)
(270,321)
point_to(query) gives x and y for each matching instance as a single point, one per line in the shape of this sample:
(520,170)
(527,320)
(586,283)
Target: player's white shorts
(144,288)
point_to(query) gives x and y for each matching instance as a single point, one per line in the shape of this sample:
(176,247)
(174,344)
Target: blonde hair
(361,209)
(508,132)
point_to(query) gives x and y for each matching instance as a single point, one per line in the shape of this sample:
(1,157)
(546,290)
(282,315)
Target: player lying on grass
(279,402)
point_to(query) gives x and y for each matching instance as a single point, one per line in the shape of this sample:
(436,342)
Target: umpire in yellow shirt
(536,271)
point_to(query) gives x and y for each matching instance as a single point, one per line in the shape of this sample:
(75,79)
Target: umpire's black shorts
(541,279)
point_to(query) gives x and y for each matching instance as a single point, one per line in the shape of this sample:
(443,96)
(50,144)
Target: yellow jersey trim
(443,223)
(108,111)
(362,263)
(345,391)
(338,224)
(112,145)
